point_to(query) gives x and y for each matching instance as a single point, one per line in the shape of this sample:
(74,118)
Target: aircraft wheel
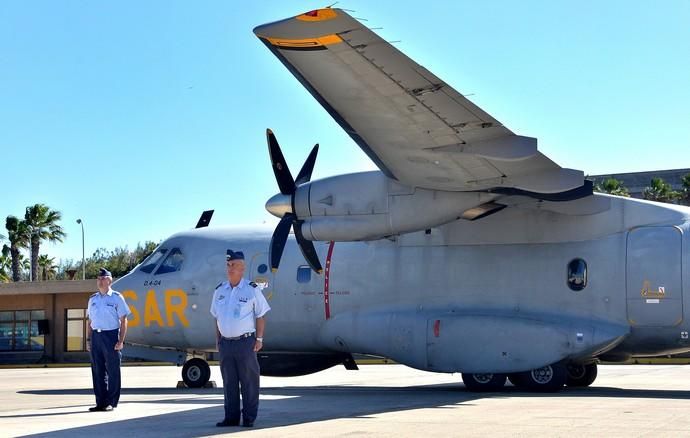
(581,375)
(196,373)
(483,382)
(550,378)
(515,379)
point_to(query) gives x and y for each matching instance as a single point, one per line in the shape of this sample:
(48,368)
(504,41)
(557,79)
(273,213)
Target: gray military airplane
(468,251)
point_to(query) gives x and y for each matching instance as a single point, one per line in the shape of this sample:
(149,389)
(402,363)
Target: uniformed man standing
(239,307)
(107,312)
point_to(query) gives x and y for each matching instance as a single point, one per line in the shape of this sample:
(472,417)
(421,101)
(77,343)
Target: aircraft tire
(196,373)
(483,382)
(515,379)
(550,378)
(581,375)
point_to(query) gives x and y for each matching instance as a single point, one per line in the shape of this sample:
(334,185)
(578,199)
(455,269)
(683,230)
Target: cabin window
(577,274)
(262,268)
(303,274)
(172,263)
(150,264)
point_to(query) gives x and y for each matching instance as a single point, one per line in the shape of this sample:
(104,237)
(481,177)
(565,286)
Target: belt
(237,338)
(103,330)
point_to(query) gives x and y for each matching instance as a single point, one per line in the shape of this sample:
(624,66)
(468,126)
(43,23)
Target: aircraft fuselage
(498,295)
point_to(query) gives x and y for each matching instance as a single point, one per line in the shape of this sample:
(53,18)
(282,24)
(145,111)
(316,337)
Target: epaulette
(116,293)
(252,284)
(93,295)
(219,285)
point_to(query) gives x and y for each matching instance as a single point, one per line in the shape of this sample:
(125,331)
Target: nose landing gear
(196,373)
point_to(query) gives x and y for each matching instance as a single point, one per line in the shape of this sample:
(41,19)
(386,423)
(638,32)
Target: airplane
(468,251)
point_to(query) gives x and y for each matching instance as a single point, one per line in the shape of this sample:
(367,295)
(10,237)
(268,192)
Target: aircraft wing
(415,127)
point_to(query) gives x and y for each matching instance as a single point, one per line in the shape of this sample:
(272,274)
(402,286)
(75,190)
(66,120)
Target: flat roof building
(44,321)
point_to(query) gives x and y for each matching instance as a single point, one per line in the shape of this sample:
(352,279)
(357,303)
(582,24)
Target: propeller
(285,203)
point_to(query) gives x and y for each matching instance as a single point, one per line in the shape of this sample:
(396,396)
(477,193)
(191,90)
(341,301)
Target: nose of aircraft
(123,283)
(279,205)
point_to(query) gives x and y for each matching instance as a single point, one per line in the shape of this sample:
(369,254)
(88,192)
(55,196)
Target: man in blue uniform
(107,312)
(239,308)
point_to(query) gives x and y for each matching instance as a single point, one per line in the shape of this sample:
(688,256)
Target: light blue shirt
(236,308)
(105,310)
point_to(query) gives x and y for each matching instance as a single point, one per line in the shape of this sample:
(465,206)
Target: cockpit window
(150,264)
(577,274)
(172,263)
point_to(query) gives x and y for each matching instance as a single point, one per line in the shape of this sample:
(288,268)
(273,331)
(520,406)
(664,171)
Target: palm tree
(43,225)
(659,191)
(18,235)
(613,187)
(48,266)
(5,264)
(685,193)
(25,267)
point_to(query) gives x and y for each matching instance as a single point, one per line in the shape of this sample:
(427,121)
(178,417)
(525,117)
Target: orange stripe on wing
(305,43)
(318,15)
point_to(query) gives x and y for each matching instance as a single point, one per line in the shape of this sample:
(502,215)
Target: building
(43,322)
(636,182)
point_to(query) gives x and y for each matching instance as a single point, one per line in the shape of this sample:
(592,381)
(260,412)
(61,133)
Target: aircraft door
(654,276)
(260,273)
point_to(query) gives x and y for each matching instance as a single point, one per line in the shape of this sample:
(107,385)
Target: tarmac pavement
(377,400)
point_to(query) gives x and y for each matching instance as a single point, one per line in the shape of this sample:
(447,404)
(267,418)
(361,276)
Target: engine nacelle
(368,205)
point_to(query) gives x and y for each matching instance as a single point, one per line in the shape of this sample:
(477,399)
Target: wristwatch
(260,339)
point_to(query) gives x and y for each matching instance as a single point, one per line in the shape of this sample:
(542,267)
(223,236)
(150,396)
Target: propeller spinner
(282,205)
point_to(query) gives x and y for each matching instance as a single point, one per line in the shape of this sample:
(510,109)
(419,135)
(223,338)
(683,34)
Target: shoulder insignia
(252,284)
(219,285)
(116,293)
(93,295)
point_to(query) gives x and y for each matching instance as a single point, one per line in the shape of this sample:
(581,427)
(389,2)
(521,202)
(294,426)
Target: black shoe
(228,423)
(247,424)
(96,409)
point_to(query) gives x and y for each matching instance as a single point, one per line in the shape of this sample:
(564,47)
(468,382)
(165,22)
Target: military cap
(104,273)
(234,255)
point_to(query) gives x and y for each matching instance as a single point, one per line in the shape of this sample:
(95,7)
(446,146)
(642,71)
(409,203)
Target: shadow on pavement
(284,406)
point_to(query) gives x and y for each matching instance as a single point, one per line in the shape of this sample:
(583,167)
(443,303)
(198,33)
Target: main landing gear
(550,378)
(581,375)
(196,373)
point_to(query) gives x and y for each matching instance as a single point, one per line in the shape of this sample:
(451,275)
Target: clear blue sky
(137,116)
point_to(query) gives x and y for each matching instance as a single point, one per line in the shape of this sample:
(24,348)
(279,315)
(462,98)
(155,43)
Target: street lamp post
(83,260)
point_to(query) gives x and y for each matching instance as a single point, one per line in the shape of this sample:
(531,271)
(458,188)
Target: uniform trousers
(239,367)
(105,367)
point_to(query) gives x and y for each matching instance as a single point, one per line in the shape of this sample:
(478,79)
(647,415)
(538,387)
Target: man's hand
(88,345)
(119,346)
(258,345)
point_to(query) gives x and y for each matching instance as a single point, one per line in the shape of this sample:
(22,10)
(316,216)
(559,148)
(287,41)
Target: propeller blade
(307,247)
(280,235)
(280,167)
(304,174)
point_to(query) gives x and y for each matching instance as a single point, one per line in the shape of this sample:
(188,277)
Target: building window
(577,274)
(76,330)
(19,330)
